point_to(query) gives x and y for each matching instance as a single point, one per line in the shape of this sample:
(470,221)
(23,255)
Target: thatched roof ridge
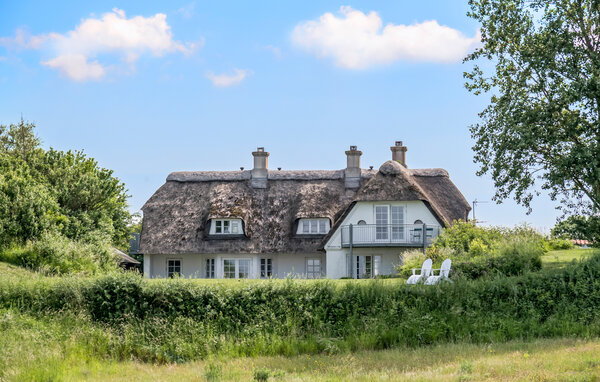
(231,176)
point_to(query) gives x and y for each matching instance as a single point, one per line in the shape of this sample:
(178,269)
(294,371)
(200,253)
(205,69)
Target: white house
(262,223)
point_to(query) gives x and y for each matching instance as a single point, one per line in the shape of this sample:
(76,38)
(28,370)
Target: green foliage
(54,191)
(213,372)
(262,374)
(464,239)
(555,243)
(543,120)
(478,251)
(179,319)
(19,140)
(410,260)
(578,227)
(54,254)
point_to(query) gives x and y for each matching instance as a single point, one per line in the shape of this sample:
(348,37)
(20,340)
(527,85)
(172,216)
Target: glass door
(381,223)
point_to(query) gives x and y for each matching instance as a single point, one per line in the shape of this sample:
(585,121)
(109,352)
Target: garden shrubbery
(54,254)
(481,251)
(179,319)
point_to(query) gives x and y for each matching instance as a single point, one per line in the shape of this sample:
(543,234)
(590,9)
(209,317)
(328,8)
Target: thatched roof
(177,216)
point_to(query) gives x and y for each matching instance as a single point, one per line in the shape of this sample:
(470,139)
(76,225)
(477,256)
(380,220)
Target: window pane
(234,227)
(226,226)
(229,269)
(173,268)
(305,226)
(244,269)
(313,226)
(218,226)
(322,227)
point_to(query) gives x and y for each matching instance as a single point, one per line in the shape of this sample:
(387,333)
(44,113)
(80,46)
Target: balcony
(389,235)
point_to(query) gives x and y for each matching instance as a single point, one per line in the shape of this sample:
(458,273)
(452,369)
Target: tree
(19,139)
(578,227)
(543,120)
(56,191)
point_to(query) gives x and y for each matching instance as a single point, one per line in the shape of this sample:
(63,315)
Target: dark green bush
(177,320)
(54,254)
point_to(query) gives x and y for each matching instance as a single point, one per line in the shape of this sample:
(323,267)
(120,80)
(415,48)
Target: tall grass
(123,316)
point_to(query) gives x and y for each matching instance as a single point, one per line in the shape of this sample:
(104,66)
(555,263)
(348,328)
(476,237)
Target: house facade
(263,223)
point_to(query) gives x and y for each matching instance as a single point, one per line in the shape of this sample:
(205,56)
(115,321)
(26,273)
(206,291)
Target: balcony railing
(401,235)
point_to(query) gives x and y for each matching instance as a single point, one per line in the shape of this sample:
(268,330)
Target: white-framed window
(266,268)
(313,227)
(236,268)
(226,227)
(210,268)
(367,266)
(173,267)
(381,222)
(389,222)
(313,268)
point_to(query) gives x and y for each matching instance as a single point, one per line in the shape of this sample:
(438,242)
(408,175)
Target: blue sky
(149,87)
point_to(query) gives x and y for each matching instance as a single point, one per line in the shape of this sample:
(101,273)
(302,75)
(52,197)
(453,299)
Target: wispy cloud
(273,49)
(225,80)
(355,40)
(187,11)
(75,52)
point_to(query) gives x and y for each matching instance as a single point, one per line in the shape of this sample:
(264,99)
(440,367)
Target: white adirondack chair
(443,273)
(423,273)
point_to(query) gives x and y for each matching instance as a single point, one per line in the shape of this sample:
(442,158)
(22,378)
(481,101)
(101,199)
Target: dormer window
(226,227)
(313,227)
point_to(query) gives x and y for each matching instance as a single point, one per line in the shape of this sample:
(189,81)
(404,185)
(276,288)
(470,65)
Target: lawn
(556,359)
(561,258)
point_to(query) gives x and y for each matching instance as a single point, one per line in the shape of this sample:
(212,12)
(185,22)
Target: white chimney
(352,172)
(260,170)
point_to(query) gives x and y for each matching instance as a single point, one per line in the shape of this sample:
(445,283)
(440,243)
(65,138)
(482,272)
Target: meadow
(120,326)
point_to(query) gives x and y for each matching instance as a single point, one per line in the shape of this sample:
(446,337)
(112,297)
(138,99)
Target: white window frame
(210,268)
(320,226)
(171,274)
(236,264)
(226,227)
(311,273)
(266,268)
(367,266)
(393,228)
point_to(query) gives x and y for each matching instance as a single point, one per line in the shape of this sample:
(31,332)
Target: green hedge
(183,319)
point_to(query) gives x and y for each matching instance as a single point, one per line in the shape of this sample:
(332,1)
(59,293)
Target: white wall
(413,210)
(194,265)
(390,259)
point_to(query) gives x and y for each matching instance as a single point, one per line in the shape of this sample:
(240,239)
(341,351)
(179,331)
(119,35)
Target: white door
(381,223)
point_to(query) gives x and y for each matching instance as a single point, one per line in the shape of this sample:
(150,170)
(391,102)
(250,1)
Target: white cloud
(74,52)
(275,50)
(225,80)
(187,11)
(355,40)
(76,67)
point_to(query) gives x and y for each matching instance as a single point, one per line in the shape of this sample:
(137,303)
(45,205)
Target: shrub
(410,260)
(481,251)
(556,243)
(55,254)
(178,320)
(262,374)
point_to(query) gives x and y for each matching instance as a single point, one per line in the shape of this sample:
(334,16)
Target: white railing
(389,234)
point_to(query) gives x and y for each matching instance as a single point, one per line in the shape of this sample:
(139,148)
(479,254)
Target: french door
(236,268)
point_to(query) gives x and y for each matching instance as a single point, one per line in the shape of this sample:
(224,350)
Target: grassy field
(561,258)
(541,360)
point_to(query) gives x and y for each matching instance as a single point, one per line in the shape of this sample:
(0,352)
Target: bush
(54,254)
(483,251)
(410,260)
(178,320)
(555,243)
